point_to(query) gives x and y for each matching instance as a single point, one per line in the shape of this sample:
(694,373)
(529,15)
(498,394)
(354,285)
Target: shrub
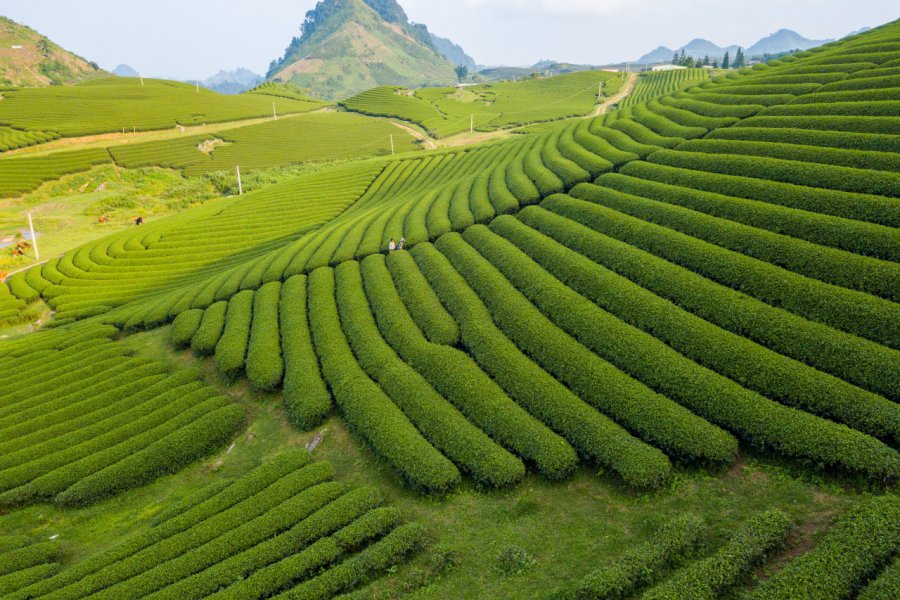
(264,364)
(185,327)
(306,398)
(210,330)
(710,577)
(513,560)
(885,586)
(642,564)
(442,424)
(853,549)
(364,405)
(232,347)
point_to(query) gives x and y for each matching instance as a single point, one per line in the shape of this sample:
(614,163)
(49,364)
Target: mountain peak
(348,46)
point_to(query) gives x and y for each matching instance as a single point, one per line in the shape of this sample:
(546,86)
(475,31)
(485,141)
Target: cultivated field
(654,353)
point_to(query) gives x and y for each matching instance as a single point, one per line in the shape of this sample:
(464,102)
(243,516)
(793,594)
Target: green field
(654,353)
(122,104)
(443,112)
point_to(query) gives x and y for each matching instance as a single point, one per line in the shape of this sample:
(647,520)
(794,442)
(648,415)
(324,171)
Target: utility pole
(274,114)
(37,254)
(471,123)
(392,144)
(142,80)
(240,185)
(600,90)
(198,86)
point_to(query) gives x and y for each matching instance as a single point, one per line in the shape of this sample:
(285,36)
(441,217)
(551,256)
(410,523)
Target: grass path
(602,108)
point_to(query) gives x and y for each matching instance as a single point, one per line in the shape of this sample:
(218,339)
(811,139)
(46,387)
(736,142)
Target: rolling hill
(348,46)
(783,40)
(666,338)
(29,59)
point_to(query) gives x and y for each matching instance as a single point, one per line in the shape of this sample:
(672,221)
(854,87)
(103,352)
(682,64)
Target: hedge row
(28,556)
(885,586)
(238,505)
(707,579)
(362,567)
(232,347)
(860,207)
(852,358)
(269,484)
(874,142)
(293,524)
(17,580)
(716,398)
(858,159)
(858,181)
(423,305)
(514,420)
(861,314)
(871,107)
(210,331)
(185,327)
(853,124)
(364,405)
(828,265)
(642,564)
(775,376)
(306,562)
(438,420)
(306,399)
(632,405)
(265,368)
(862,238)
(859,543)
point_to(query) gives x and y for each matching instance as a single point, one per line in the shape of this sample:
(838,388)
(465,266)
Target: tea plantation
(653,354)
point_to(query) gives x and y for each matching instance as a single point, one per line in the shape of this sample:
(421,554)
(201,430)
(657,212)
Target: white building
(666,67)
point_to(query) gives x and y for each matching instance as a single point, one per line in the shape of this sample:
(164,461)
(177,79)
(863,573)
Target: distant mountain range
(125,71)
(348,46)
(233,82)
(782,40)
(29,59)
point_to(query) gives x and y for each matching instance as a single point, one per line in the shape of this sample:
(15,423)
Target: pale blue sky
(195,38)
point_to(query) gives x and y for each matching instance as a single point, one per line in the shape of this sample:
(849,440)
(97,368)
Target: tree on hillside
(462,71)
(675,59)
(739,60)
(706,60)
(726,62)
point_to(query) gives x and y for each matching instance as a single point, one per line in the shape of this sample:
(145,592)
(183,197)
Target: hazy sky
(196,38)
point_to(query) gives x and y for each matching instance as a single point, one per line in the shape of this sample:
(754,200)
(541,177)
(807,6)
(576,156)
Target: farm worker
(400,245)
(392,245)
(139,221)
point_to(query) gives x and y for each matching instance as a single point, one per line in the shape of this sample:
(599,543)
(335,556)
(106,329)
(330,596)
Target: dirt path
(426,141)
(601,109)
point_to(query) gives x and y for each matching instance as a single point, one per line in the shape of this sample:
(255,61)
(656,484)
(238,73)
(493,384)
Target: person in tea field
(402,242)
(392,246)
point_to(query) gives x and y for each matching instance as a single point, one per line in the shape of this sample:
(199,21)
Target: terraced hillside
(687,281)
(115,104)
(443,112)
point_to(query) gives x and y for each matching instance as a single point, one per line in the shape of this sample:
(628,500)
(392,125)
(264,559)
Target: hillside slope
(29,59)
(347,47)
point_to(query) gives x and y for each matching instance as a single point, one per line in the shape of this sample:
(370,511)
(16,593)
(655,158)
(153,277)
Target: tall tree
(675,58)
(462,71)
(706,60)
(726,62)
(739,59)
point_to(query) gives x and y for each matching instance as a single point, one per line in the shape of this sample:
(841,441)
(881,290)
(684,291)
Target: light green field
(446,111)
(117,104)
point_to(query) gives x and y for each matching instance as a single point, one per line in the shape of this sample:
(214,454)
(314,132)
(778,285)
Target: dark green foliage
(306,398)
(438,420)
(854,312)
(642,564)
(885,586)
(854,359)
(852,550)
(422,303)
(707,579)
(790,382)
(264,366)
(364,405)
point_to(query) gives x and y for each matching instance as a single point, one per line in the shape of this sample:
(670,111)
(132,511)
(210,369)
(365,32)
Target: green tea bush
(853,549)
(232,347)
(210,331)
(367,409)
(185,327)
(642,564)
(265,368)
(707,579)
